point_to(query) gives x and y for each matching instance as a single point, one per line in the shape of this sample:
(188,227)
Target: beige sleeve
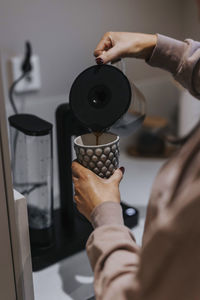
(166,268)
(113,254)
(182,59)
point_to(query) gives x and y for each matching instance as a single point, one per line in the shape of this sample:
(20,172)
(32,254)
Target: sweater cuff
(167,54)
(107,213)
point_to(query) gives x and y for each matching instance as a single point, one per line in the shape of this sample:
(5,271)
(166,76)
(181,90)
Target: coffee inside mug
(89,139)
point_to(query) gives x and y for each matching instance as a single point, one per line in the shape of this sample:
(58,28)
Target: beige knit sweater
(167,266)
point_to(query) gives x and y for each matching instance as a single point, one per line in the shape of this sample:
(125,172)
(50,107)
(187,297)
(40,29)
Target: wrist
(151,43)
(107,213)
(147,45)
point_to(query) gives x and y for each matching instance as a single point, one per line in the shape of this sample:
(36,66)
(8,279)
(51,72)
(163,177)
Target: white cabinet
(15,264)
(7,278)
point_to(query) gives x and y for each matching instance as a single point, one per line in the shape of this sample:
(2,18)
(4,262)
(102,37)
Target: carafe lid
(30,124)
(99,96)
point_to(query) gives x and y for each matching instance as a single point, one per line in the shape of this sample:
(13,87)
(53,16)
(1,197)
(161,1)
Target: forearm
(113,254)
(179,58)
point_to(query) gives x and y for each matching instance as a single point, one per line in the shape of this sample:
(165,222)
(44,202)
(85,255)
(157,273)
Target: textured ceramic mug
(102,159)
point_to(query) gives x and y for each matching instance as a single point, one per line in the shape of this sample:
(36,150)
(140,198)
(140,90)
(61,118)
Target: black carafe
(102,98)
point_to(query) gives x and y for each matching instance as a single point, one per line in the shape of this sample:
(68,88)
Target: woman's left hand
(91,190)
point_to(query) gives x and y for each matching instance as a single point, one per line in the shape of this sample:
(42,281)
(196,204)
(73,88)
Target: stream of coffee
(97,134)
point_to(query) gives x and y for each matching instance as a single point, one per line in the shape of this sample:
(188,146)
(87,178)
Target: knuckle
(75,182)
(74,179)
(76,198)
(86,175)
(73,163)
(73,166)
(108,33)
(77,189)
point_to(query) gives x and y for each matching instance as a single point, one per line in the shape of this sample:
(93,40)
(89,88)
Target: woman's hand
(115,45)
(91,190)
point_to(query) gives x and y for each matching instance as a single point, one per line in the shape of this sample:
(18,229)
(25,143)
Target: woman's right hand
(115,45)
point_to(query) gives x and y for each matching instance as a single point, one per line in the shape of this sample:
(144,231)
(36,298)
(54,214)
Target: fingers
(80,172)
(77,169)
(104,44)
(117,176)
(75,179)
(110,55)
(106,51)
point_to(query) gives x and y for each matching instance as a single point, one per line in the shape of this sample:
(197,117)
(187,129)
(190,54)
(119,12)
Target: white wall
(65,32)
(191,20)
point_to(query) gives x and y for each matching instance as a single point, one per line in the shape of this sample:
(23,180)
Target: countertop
(72,278)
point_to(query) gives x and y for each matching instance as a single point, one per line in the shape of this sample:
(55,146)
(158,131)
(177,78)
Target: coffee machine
(99,99)
(71,229)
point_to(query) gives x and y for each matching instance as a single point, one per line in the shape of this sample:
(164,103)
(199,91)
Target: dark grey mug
(102,159)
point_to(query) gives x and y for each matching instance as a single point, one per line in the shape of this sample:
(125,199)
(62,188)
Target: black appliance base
(67,242)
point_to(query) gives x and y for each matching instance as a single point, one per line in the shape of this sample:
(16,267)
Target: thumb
(117,176)
(109,55)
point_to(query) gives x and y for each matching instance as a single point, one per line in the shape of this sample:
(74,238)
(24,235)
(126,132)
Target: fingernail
(99,61)
(122,170)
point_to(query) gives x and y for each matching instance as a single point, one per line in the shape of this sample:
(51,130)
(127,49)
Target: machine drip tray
(68,242)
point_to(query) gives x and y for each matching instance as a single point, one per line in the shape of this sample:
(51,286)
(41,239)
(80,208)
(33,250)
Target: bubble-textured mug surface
(102,159)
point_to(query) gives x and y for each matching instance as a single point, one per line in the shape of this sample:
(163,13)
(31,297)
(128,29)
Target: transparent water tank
(31,151)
